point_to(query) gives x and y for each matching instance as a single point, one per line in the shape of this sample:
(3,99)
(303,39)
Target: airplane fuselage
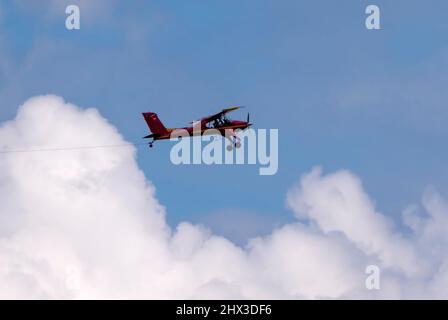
(204,130)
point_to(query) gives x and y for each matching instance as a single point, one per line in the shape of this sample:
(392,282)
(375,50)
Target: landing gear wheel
(238,145)
(150,145)
(229,148)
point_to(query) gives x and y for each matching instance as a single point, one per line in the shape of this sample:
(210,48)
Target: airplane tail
(155,125)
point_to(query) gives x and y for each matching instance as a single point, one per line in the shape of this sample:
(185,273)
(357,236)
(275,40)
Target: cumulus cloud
(86,224)
(338,203)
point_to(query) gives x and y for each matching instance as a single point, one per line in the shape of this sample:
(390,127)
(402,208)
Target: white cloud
(86,224)
(337,202)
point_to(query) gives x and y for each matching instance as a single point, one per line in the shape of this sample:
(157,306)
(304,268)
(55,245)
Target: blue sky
(343,97)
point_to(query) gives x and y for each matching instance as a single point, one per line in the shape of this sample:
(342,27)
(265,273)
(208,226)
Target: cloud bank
(86,224)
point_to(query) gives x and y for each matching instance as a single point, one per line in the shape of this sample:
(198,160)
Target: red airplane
(218,121)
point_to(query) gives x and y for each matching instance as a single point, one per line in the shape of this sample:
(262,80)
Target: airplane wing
(219,114)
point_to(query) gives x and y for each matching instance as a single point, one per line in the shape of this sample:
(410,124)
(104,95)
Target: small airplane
(218,121)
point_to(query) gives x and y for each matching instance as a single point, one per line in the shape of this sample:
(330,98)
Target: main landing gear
(234,143)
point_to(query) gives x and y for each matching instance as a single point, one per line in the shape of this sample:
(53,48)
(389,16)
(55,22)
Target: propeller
(248,117)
